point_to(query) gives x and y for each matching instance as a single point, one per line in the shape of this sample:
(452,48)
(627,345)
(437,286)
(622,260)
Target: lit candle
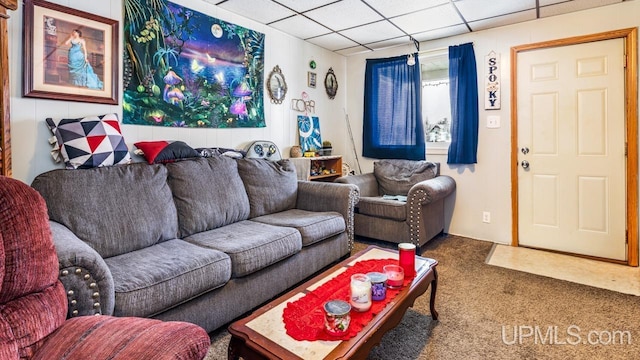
(395,275)
(360,292)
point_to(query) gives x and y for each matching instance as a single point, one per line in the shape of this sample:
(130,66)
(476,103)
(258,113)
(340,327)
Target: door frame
(630,35)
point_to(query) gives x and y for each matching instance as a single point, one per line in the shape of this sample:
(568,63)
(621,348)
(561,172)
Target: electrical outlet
(486,217)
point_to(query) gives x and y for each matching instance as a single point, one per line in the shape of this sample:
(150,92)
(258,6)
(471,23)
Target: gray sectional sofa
(202,240)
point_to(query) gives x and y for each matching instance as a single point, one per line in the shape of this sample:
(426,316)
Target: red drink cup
(407,258)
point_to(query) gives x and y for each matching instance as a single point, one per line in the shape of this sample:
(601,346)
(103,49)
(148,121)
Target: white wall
(31,150)
(486,186)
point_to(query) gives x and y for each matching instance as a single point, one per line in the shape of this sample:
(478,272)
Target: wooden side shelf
(319,168)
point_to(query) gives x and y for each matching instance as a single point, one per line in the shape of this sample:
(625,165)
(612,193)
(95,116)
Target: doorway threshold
(600,274)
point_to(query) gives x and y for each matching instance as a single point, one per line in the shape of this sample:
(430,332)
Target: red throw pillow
(158,152)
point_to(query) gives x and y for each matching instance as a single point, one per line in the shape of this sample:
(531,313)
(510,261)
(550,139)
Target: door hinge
(626,149)
(625,59)
(626,236)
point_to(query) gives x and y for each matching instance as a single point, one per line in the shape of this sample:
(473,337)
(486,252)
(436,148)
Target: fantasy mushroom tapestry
(183,68)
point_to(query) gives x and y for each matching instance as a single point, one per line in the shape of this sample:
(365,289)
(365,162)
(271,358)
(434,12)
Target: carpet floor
(489,312)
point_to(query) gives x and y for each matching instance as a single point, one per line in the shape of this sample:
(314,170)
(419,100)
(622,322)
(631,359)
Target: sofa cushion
(156,278)
(272,186)
(251,245)
(114,209)
(313,226)
(396,177)
(208,194)
(382,208)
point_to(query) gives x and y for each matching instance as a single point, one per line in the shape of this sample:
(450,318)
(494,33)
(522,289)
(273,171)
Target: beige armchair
(401,201)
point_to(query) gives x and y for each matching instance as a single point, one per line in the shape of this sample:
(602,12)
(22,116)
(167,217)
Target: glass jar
(360,292)
(337,317)
(378,285)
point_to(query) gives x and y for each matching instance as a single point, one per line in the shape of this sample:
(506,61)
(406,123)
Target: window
(436,104)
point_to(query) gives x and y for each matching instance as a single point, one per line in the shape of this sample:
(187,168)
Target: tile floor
(615,277)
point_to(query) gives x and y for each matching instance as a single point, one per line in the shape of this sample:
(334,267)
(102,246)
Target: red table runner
(304,318)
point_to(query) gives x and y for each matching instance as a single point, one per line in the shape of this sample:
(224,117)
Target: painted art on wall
(183,68)
(309,131)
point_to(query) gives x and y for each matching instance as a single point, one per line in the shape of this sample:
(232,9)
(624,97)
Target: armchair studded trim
(83,295)
(354,197)
(415,202)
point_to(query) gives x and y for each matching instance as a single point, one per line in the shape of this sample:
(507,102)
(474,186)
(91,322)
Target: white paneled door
(571,143)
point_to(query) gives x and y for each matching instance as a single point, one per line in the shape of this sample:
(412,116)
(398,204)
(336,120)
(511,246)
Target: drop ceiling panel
(377,24)
(344,14)
(373,32)
(353,50)
(503,20)
(473,10)
(391,8)
(441,33)
(300,27)
(262,11)
(571,6)
(404,40)
(429,19)
(304,5)
(332,42)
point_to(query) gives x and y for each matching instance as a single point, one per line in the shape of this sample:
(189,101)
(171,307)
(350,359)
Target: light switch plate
(493,121)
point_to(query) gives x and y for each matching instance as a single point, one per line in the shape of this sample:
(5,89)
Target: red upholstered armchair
(33,303)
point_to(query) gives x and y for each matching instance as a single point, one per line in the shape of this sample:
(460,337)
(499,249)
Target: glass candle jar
(378,286)
(337,317)
(360,292)
(407,254)
(395,275)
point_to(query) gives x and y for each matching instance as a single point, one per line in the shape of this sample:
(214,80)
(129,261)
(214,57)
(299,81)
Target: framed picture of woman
(69,54)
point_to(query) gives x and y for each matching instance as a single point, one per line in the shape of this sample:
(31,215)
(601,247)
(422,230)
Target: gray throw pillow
(272,186)
(396,177)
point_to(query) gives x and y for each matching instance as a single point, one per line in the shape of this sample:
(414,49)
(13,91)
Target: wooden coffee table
(262,335)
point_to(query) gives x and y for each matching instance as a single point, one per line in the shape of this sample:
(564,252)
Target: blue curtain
(464,105)
(392,125)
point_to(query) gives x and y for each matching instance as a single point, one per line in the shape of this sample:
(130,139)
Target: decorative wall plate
(331,84)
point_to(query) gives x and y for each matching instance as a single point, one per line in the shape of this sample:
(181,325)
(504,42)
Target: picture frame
(311,79)
(69,54)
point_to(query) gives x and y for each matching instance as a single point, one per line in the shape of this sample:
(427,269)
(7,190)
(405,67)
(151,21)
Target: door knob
(525,150)
(525,164)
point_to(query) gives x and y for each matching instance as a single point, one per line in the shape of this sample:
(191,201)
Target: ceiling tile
(503,20)
(401,41)
(549,2)
(344,14)
(391,8)
(567,7)
(377,31)
(332,42)
(263,11)
(473,10)
(430,19)
(304,5)
(441,33)
(301,27)
(353,50)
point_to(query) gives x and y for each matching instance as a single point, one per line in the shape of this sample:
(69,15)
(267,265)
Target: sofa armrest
(84,274)
(423,194)
(367,183)
(431,190)
(325,196)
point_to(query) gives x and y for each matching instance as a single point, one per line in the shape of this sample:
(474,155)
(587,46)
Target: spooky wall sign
(492,81)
